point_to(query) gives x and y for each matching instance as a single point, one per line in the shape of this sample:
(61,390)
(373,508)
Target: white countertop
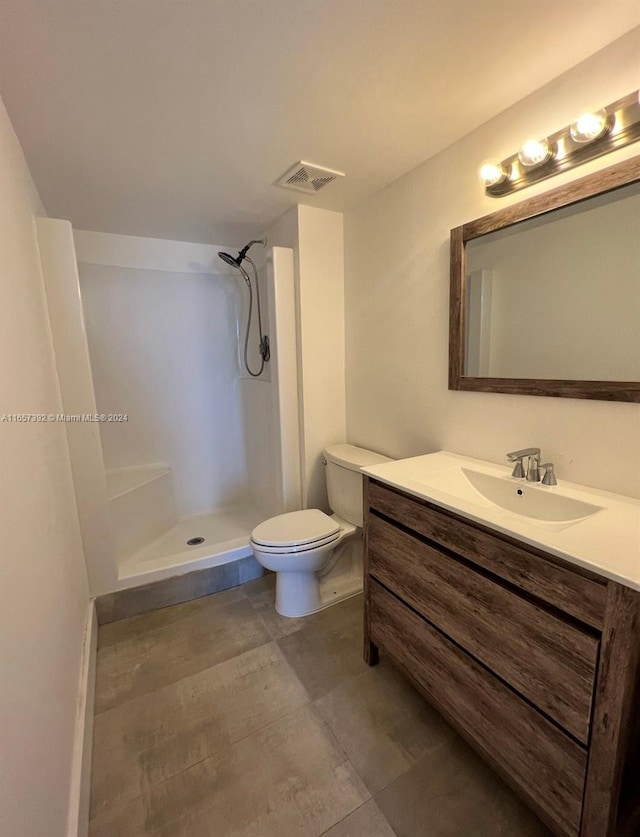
(607,542)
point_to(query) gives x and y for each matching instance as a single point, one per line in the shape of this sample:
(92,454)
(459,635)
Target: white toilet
(317,557)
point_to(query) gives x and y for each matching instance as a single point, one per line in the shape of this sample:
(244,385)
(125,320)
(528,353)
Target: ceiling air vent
(306,177)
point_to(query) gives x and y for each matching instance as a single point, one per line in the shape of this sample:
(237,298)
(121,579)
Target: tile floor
(219,718)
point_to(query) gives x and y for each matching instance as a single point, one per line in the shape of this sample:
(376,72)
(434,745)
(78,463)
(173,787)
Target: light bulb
(493,173)
(535,152)
(589,126)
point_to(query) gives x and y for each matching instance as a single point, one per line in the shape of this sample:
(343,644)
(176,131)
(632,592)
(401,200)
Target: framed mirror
(545,294)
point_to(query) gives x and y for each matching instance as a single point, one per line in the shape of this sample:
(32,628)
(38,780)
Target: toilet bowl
(317,557)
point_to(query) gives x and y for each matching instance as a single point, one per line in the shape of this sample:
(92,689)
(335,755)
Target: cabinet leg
(371,655)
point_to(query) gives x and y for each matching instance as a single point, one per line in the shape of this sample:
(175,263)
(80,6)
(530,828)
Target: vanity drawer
(548,660)
(547,766)
(575,593)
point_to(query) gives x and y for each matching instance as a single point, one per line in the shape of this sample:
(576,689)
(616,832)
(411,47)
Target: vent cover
(307,177)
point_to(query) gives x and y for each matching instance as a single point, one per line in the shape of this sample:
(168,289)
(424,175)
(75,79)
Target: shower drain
(195,541)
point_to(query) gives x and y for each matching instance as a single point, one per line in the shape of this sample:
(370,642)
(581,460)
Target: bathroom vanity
(533,657)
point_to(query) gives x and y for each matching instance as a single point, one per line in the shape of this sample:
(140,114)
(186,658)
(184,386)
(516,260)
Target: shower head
(236,261)
(229,259)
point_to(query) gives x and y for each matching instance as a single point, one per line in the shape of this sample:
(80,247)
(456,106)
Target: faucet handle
(518,470)
(549,477)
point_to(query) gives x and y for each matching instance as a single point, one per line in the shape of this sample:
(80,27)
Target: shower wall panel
(163,350)
(257,402)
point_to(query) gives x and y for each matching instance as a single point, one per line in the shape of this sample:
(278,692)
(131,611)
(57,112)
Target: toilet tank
(344,478)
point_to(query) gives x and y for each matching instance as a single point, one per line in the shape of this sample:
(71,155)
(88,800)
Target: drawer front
(571,592)
(549,661)
(547,766)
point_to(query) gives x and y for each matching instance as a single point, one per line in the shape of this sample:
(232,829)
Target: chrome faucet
(533,465)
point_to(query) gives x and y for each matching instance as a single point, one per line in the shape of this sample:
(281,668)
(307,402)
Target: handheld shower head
(229,259)
(236,261)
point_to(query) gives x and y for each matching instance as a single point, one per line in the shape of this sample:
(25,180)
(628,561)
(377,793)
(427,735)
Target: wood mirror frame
(606,180)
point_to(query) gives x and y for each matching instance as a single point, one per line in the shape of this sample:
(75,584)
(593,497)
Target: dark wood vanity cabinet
(535,661)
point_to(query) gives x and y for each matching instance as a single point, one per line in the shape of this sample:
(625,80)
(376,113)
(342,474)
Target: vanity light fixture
(590,135)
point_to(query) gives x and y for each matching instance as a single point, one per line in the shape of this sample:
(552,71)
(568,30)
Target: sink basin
(538,503)
(531,501)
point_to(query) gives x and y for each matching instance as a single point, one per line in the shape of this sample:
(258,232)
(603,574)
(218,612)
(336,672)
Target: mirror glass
(558,296)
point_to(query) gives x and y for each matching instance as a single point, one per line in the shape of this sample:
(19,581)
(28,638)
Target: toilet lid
(295,528)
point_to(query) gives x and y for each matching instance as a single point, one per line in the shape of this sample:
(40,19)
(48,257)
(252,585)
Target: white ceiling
(173,118)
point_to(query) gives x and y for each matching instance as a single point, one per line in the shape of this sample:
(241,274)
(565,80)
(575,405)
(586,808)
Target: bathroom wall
(397,302)
(316,236)
(44,591)
(164,350)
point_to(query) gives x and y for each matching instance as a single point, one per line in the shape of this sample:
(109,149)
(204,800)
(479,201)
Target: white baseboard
(78,820)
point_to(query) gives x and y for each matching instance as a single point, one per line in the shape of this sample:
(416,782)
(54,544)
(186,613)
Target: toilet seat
(296,531)
(294,550)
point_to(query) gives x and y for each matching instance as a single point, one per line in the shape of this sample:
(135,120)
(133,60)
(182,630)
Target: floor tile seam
(141,695)
(304,631)
(407,769)
(323,628)
(147,631)
(346,816)
(328,631)
(372,792)
(268,641)
(349,678)
(141,617)
(269,723)
(409,764)
(324,717)
(275,636)
(148,787)
(232,743)
(99,712)
(177,622)
(347,759)
(342,684)
(262,619)
(229,745)
(146,791)
(293,672)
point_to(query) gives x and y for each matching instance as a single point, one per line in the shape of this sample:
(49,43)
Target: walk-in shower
(236,262)
(207,450)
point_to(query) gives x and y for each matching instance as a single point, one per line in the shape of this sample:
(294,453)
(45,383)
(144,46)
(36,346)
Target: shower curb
(123,604)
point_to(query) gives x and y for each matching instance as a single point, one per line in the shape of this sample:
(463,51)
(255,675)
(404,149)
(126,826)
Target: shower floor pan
(226,538)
